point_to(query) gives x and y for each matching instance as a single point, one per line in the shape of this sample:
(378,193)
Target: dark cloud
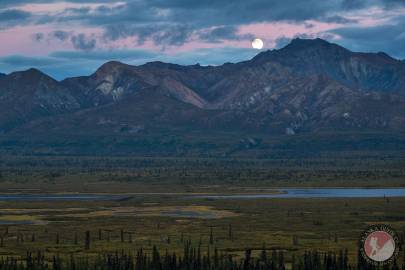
(223,12)
(339,19)
(169,35)
(60,35)
(207,13)
(26,61)
(203,14)
(55,35)
(118,31)
(83,42)
(354,4)
(173,23)
(386,38)
(360,4)
(12,17)
(160,34)
(8,3)
(175,35)
(221,33)
(13,14)
(176,22)
(38,37)
(106,55)
(79,41)
(78,11)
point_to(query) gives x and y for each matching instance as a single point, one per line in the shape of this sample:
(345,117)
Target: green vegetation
(194,258)
(154,211)
(146,174)
(88,228)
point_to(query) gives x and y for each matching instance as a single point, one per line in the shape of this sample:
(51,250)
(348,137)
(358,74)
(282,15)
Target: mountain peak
(159,64)
(301,46)
(318,43)
(164,65)
(110,66)
(31,74)
(309,41)
(33,71)
(113,63)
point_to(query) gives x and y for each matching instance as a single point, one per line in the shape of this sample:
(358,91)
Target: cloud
(83,42)
(176,22)
(175,35)
(26,61)
(12,17)
(339,19)
(375,38)
(106,55)
(173,22)
(165,34)
(8,3)
(38,37)
(13,14)
(64,64)
(161,34)
(79,41)
(211,56)
(91,27)
(221,33)
(59,64)
(60,35)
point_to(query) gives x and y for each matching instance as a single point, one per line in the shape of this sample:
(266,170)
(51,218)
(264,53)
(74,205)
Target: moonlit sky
(74,37)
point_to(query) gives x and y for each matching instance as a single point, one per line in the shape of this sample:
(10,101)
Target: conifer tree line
(193,258)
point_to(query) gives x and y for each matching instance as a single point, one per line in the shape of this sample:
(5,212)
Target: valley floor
(161,215)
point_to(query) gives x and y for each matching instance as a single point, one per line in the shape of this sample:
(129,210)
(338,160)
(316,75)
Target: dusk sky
(70,38)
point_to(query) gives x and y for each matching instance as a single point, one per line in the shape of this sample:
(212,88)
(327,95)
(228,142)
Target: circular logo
(379,245)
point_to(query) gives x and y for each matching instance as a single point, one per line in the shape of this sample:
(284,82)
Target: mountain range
(308,86)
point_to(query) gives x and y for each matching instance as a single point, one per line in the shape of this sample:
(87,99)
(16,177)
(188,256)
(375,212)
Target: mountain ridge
(307,86)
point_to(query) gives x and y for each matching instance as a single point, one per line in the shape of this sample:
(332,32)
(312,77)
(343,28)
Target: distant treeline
(352,172)
(207,144)
(192,258)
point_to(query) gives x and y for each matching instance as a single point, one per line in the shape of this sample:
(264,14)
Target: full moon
(257,43)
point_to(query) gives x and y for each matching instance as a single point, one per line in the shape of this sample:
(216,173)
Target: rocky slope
(307,86)
(28,95)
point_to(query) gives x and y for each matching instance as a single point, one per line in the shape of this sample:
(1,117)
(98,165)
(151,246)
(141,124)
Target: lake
(60,197)
(317,193)
(279,193)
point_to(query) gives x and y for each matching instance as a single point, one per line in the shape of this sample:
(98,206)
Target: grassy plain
(163,220)
(157,211)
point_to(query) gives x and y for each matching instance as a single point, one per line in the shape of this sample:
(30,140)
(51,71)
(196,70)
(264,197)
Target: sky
(74,37)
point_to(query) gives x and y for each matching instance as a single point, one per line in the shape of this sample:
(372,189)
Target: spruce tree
(87,241)
(211,236)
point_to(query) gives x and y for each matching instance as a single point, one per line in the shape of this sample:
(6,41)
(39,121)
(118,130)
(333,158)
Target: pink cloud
(19,40)
(270,32)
